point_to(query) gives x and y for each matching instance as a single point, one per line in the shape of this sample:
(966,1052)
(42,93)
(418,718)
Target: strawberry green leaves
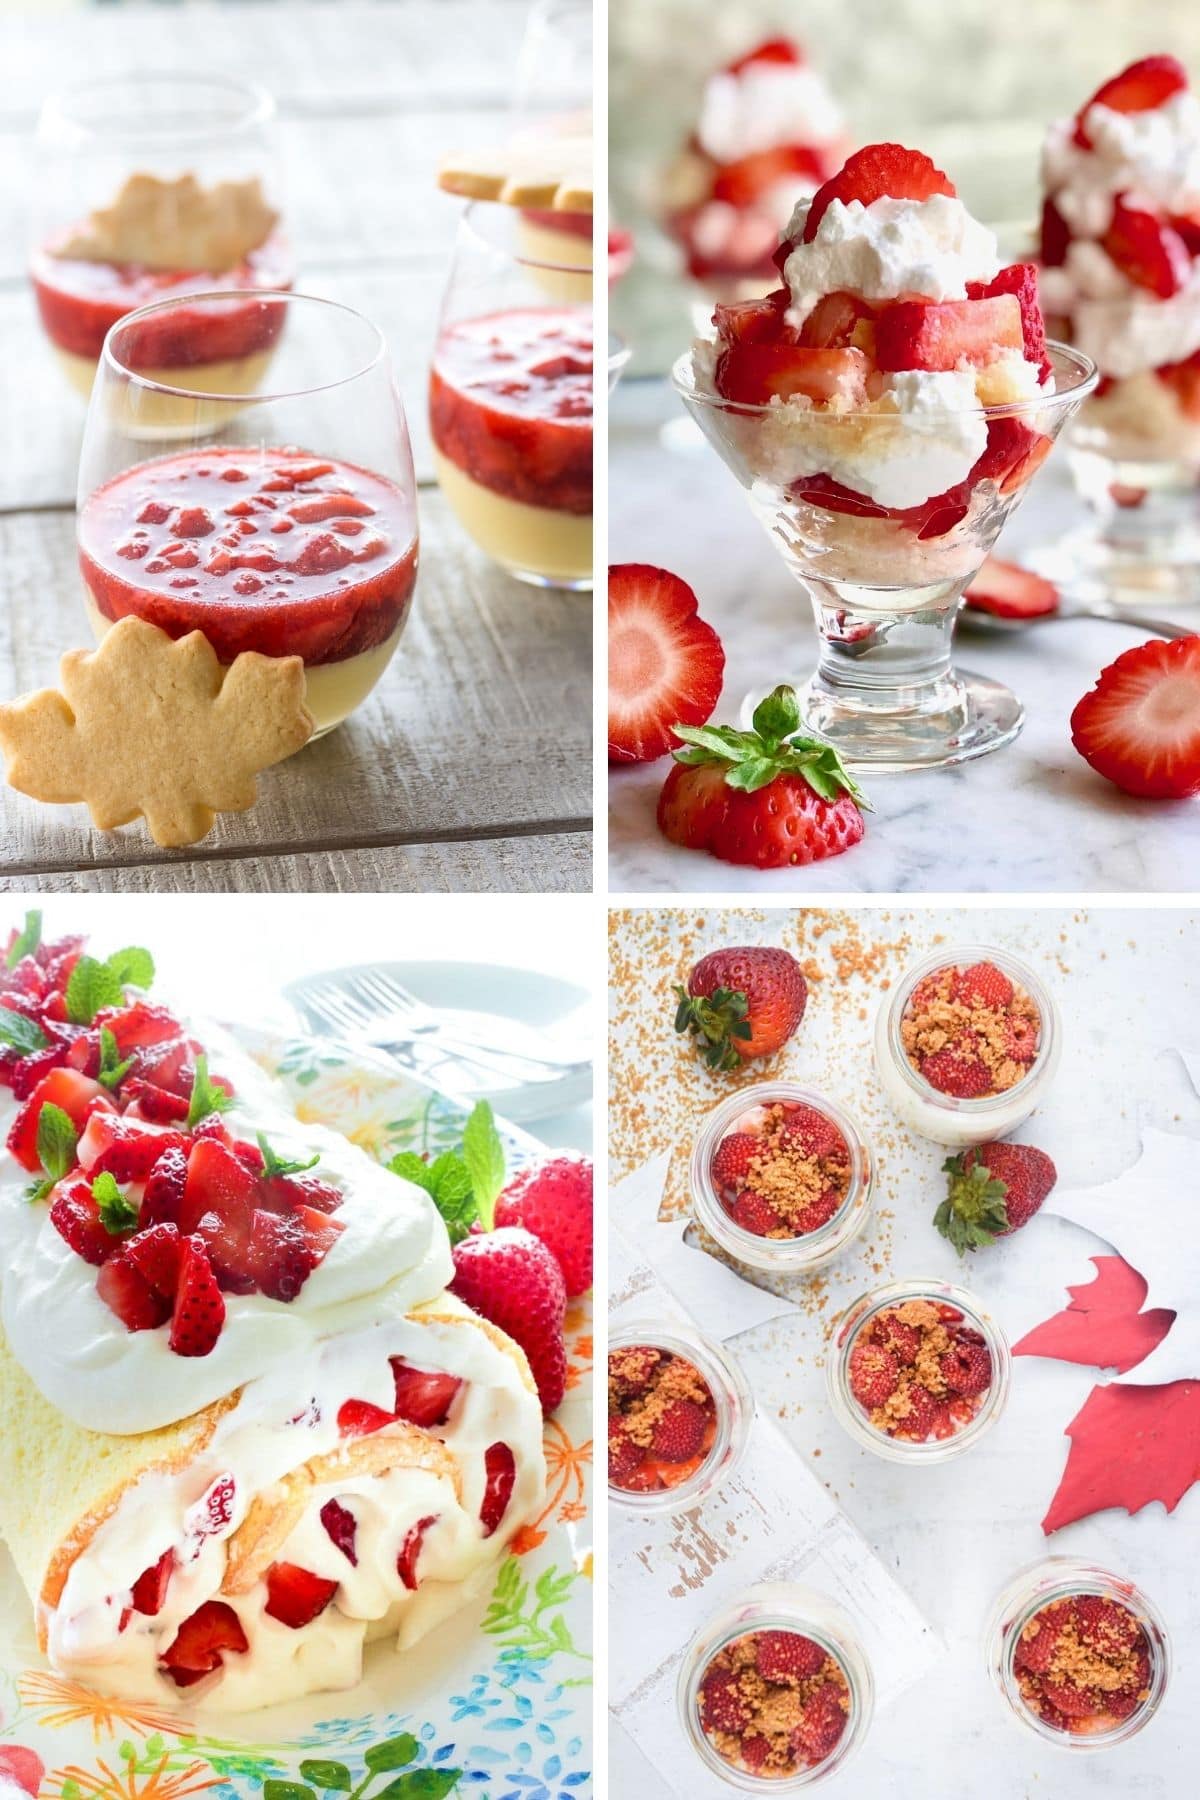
(26,940)
(715,1019)
(207,1097)
(462,1185)
(776,746)
(20,1033)
(94,985)
(56,1142)
(117,1214)
(974,1212)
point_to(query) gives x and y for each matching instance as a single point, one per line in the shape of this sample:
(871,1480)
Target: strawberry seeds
(773,1703)
(919,1371)
(1082,1664)
(783,1171)
(971,1032)
(662,1419)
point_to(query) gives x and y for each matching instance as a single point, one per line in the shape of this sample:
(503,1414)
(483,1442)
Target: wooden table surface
(470,765)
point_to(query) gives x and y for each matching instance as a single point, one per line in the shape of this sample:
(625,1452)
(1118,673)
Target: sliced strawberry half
(1020,280)
(199,1307)
(1141,87)
(75,1094)
(139,1025)
(753,321)
(296,1596)
(665,664)
(500,1473)
(162,1197)
(756,374)
(1140,725)
(741,183)
(156,1254)
(359,1418)
(201,1642)
(122,1286)
(76,1218)
(1009,592)
(878,172)
(150,1588)
(945,334)
(423,1396)
(218,1183)
(410,1552)
(145,1101)
(1151,254)
(124,1148)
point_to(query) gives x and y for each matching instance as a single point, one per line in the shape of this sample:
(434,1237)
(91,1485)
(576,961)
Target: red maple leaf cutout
(1129,1446)
(1104,1325)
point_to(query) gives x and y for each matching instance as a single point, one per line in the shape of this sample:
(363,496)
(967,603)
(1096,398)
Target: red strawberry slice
(877,172)
(125,1289)
(423,1396)
(834,323)
(154,1103)
(76,1218)
(823,490)
(733,1157)
(28,1071)
(1140,725)
(150,1588)
(665,665)
(754,321)
(358,1418)
(169,1066)
(754,1214)
(228,1242)
(756,374)
(342,1527)
(1020,280)
(1054,237)
(122,1147)
(162,1197)
(500,1473)
(216,1182)
(139,1025)
(296,1596)
(679,1432)
(771,50)
(201,1642)
(284,1192)
(23,1767)
(1151,254)
(410,1551)
(1141,87)
(1010,592)
(74,1093)
(156,1254)
(945,334)
(742,182)
(199,1307)
(1188,227)
(275,1255)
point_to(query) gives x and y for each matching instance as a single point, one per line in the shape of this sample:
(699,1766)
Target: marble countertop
(953,1534)
(1029,818)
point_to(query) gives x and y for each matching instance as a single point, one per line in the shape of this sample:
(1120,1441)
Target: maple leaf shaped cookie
(149,727)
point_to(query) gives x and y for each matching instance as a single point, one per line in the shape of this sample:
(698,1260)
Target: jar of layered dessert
(967,1044)
(781,1177)
(917,1371)
(1080,1656)
(775,1691)
(679,1415)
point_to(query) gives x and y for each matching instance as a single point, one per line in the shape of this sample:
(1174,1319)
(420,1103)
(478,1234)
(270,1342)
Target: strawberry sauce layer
(80,301)
(273,550)
(510,404)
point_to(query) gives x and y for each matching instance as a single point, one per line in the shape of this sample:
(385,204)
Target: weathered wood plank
(560,862)
(482,725)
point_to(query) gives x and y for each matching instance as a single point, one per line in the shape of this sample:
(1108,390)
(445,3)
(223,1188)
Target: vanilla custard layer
(147,413)
(529,540)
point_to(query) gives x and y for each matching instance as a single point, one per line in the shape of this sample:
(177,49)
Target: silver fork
(369,1006)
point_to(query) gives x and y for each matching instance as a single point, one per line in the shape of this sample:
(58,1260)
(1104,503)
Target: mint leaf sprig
(776,746)
(117,1214)
(463,1186)
(94,985)
(112,1070)
(56,1145)
(20,1033)
(206,1096)
(26,940)
(276,1165)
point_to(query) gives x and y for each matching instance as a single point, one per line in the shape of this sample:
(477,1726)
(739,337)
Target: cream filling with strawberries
(529,540)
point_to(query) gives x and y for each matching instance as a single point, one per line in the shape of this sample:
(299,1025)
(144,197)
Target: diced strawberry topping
(1151,254)
(150,1588)
(756,374)
(342,1527)
(753,321)
(741,183)
(122,1286)
(1020,280)
(162,1197)
(28,1071)
(156,1254)
(122,1147)
(76,1218)
(410,1551)
(423,1396)
(296,1596)
(138,1025)
(945,334)
(201,1642)
(358,1418)
(199,1307)
(67,1089)
(277,1254)
(1142,87)
(168,1066)
(154,1103)
(218,1183)
(500,1473)
(878,172)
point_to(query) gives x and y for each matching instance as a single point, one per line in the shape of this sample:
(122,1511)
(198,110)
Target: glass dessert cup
(789,1255)
(158,128)
(733,1408)
(1059,1578)
(850,1412)
(796,1610)
(886,591)
(510,403)
(946,1118)
(283,518)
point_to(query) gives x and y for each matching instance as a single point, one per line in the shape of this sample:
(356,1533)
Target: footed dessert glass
(885,586)
(283,516)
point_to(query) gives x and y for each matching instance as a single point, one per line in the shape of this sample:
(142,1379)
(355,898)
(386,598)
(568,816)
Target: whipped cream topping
(764,105)
(281,1422)
(889,250)
(392,1253)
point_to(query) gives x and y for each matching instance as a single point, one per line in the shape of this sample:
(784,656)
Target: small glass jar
(781,1256)
(1059,1578)
(732,1400)
(847,1408)
(943,1117)
(777,1606)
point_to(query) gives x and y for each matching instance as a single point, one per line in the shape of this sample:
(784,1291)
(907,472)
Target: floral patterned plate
(496,1704)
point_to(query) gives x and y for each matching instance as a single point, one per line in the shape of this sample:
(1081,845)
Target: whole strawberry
(994,1189)
(513,1281)
(742,1002)
(554,1202)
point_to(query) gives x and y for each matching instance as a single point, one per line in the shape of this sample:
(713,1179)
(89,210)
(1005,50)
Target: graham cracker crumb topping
(773,1703)
(941,1017)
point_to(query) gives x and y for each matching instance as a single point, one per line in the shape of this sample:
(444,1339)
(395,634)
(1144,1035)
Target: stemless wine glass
(510,402)
(180,143)
(552,96)
(283,519)
(886,585)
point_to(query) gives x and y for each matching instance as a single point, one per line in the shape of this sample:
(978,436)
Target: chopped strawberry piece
(342,1527)
(1010,592)
(1140,725)
(410,1551)
(500,1472)
(156,1254)
(945,334)
(76,1218)
(423,1396)
(358,1418)
(1053,238)
(665,665)
(834,322)
(1188,227)
(84,1052)
(295,1596)
(26,977)
(1151,254)
(212,1129)
(216,1182)
(285,1192)
(74,1093)
(741,183)
(150,1588)
(823,490)
(162,1197)
(154,1103)
(1142,87)
(877,172)
(28,1071)
(1020,280)
(139,1025)
(771,50)
(753,321)
(168,1066)
(123,1147)
(227,1239)
(277,1255)
(202,1640)
(125,1289)
(199,1308)
(756,374)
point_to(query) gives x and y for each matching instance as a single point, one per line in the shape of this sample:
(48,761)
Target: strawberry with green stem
(994,1189)
(744,1001)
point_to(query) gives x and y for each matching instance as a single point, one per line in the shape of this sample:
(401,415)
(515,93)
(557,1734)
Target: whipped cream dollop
(764,105)
(1154,156)
(889,250)
(392,1253)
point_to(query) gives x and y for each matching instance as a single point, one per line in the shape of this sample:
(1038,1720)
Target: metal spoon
(975,619)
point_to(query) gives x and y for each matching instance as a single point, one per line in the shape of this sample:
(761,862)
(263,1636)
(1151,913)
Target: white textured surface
(954,1534)
(1029,818)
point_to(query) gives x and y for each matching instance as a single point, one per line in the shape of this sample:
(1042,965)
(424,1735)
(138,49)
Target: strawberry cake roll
(260,1433)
